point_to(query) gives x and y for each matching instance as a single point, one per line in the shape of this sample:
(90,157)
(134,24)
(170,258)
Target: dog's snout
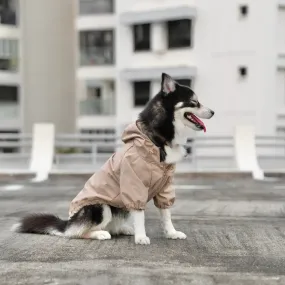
(212,113)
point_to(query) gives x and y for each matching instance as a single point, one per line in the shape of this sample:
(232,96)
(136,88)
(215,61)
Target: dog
(141,171)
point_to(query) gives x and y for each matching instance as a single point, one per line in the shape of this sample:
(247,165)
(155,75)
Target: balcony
(96,56)
(97,107)
(10,116)
(96,113)
(91,7)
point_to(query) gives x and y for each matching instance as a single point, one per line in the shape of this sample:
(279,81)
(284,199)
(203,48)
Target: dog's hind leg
(90,223)
(120,224)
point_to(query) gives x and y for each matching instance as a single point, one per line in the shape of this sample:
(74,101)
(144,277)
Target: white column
(158,37)
(48,63)
(124,104)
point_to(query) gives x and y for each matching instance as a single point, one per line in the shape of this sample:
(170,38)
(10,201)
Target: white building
(37,64)
(233,52)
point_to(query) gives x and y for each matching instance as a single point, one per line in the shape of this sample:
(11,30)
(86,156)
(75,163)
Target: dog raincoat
(130,178)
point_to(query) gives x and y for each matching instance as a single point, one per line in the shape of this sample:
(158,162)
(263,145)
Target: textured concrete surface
(235,229)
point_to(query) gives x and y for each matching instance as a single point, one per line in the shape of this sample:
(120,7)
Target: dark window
(243,10)
(8,94)
(186,82)
(179,33)
(141,93)
(141,34)
(96,47)
(87,7)
(8,12)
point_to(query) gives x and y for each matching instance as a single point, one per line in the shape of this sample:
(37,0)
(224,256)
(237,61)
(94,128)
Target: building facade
(37,64)
(229,51)
(232,53)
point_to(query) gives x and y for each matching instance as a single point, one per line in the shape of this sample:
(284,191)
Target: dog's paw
(99,235)
(175,235)
(127,230)
(142,240)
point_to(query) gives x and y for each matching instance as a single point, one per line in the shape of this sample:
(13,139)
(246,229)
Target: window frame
(171,46)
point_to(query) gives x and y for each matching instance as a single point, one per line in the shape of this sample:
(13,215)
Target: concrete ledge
(158,15)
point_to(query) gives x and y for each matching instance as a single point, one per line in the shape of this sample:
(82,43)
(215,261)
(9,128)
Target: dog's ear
(168,85)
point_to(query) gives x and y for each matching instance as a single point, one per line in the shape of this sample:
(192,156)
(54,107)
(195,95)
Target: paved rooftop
(235,228)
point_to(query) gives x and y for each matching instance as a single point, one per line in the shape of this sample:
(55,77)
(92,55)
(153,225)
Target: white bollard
(245,151)
(42,151)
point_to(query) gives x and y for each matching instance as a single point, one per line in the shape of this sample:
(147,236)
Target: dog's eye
(194,103)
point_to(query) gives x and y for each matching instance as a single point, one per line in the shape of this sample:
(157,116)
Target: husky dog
(140,172)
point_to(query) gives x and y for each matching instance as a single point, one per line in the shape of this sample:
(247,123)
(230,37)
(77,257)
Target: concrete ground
(235,229)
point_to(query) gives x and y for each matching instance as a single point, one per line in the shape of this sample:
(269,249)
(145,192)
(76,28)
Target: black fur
(40,223)
(44,223)
(89,214)
(119,212)
(158,115)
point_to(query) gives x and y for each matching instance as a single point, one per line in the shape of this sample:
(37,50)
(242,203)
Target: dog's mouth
(195,120)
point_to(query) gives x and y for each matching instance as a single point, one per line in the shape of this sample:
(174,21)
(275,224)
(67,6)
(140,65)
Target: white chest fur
(175,154)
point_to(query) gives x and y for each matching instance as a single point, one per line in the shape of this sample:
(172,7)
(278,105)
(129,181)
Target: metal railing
(97,106)
(94,56)
(86,152)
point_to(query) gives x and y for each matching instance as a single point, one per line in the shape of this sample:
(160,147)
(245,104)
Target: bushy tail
(45,224)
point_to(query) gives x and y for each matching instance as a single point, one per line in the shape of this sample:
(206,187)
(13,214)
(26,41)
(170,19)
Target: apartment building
(37,64)
(230,52)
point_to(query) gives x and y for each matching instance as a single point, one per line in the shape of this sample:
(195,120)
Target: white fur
(167,226)
(119,225)
(99,235)
(54,232)
(82,230)
(175,153)
(139,226)
(76,230)
(16,228)
(203,112)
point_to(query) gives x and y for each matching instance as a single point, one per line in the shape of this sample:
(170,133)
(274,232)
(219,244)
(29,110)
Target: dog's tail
(45,224)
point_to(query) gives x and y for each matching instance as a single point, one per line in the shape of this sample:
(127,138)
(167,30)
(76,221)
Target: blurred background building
(91,65)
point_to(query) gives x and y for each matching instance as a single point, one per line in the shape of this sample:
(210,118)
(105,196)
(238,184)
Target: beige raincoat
(130,178)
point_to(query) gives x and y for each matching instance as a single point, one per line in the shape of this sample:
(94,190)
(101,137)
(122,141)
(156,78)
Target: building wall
(48,63)
(223,42)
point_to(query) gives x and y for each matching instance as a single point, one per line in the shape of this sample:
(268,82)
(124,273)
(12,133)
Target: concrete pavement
(235,229)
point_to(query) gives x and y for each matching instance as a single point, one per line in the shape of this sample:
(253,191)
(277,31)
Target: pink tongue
(197,120)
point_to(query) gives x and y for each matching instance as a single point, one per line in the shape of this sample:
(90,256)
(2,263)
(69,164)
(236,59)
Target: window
(179,33)
(141,35)
(96,47)
(8,94)
(87,7)
(8,54)
(8,12)
(186,82)
(141,93)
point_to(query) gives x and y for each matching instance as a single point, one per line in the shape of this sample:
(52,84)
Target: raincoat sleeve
(134,182)
(165,198)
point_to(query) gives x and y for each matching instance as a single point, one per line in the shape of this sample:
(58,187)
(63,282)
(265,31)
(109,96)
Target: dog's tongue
(197,120)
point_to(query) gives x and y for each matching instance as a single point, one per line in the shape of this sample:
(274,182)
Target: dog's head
(187,108)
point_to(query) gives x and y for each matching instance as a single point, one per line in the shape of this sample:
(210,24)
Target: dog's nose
(212,113)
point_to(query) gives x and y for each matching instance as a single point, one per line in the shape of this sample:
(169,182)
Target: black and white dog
(166,121)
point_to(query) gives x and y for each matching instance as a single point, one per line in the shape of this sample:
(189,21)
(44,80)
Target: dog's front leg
(139,226)
(168,228)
